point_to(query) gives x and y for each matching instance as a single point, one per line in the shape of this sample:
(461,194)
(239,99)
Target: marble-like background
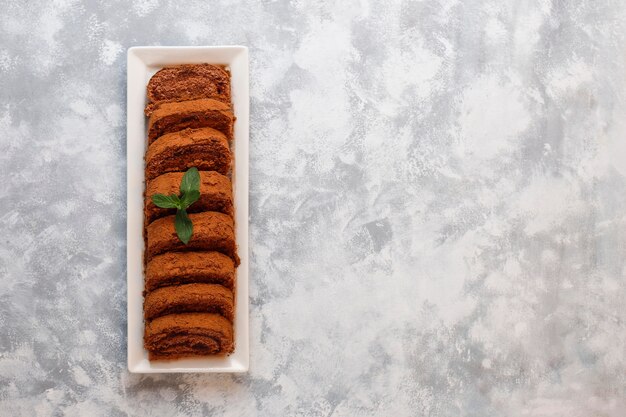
(438,208)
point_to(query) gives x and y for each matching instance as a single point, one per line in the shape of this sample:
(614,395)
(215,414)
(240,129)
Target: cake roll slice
(206,149)
(212,231)
(215,194)
(188,82)
(174,116)
(189,298)
(189,334)
(176,268)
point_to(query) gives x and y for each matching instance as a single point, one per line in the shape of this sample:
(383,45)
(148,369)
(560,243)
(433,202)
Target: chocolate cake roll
(188,334)
(176,268)
(189,288)
(174,116)
(215,194)
(206,149)
(188,82)
(189,298)
(212,231)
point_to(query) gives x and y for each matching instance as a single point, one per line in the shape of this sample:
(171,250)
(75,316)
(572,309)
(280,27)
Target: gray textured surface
(438,222)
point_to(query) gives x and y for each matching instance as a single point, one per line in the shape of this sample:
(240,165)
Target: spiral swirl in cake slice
(189,298)
(215,194)
(212,231)
(177,268)
(206,149)
(175,116)
(189,334)
(188,82)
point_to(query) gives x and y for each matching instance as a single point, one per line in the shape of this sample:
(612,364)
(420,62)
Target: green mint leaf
(176,200)
(189,198)
(191,181)
(184,227)
(166,201)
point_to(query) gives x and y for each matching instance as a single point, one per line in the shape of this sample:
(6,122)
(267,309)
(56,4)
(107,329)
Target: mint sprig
(189,194)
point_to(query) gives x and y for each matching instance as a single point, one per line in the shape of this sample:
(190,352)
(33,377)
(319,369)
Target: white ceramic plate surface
(143,62)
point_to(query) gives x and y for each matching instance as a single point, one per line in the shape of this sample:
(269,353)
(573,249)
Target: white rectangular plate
(143,62)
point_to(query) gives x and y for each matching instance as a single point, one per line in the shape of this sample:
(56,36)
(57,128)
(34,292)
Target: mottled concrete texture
(438,194)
